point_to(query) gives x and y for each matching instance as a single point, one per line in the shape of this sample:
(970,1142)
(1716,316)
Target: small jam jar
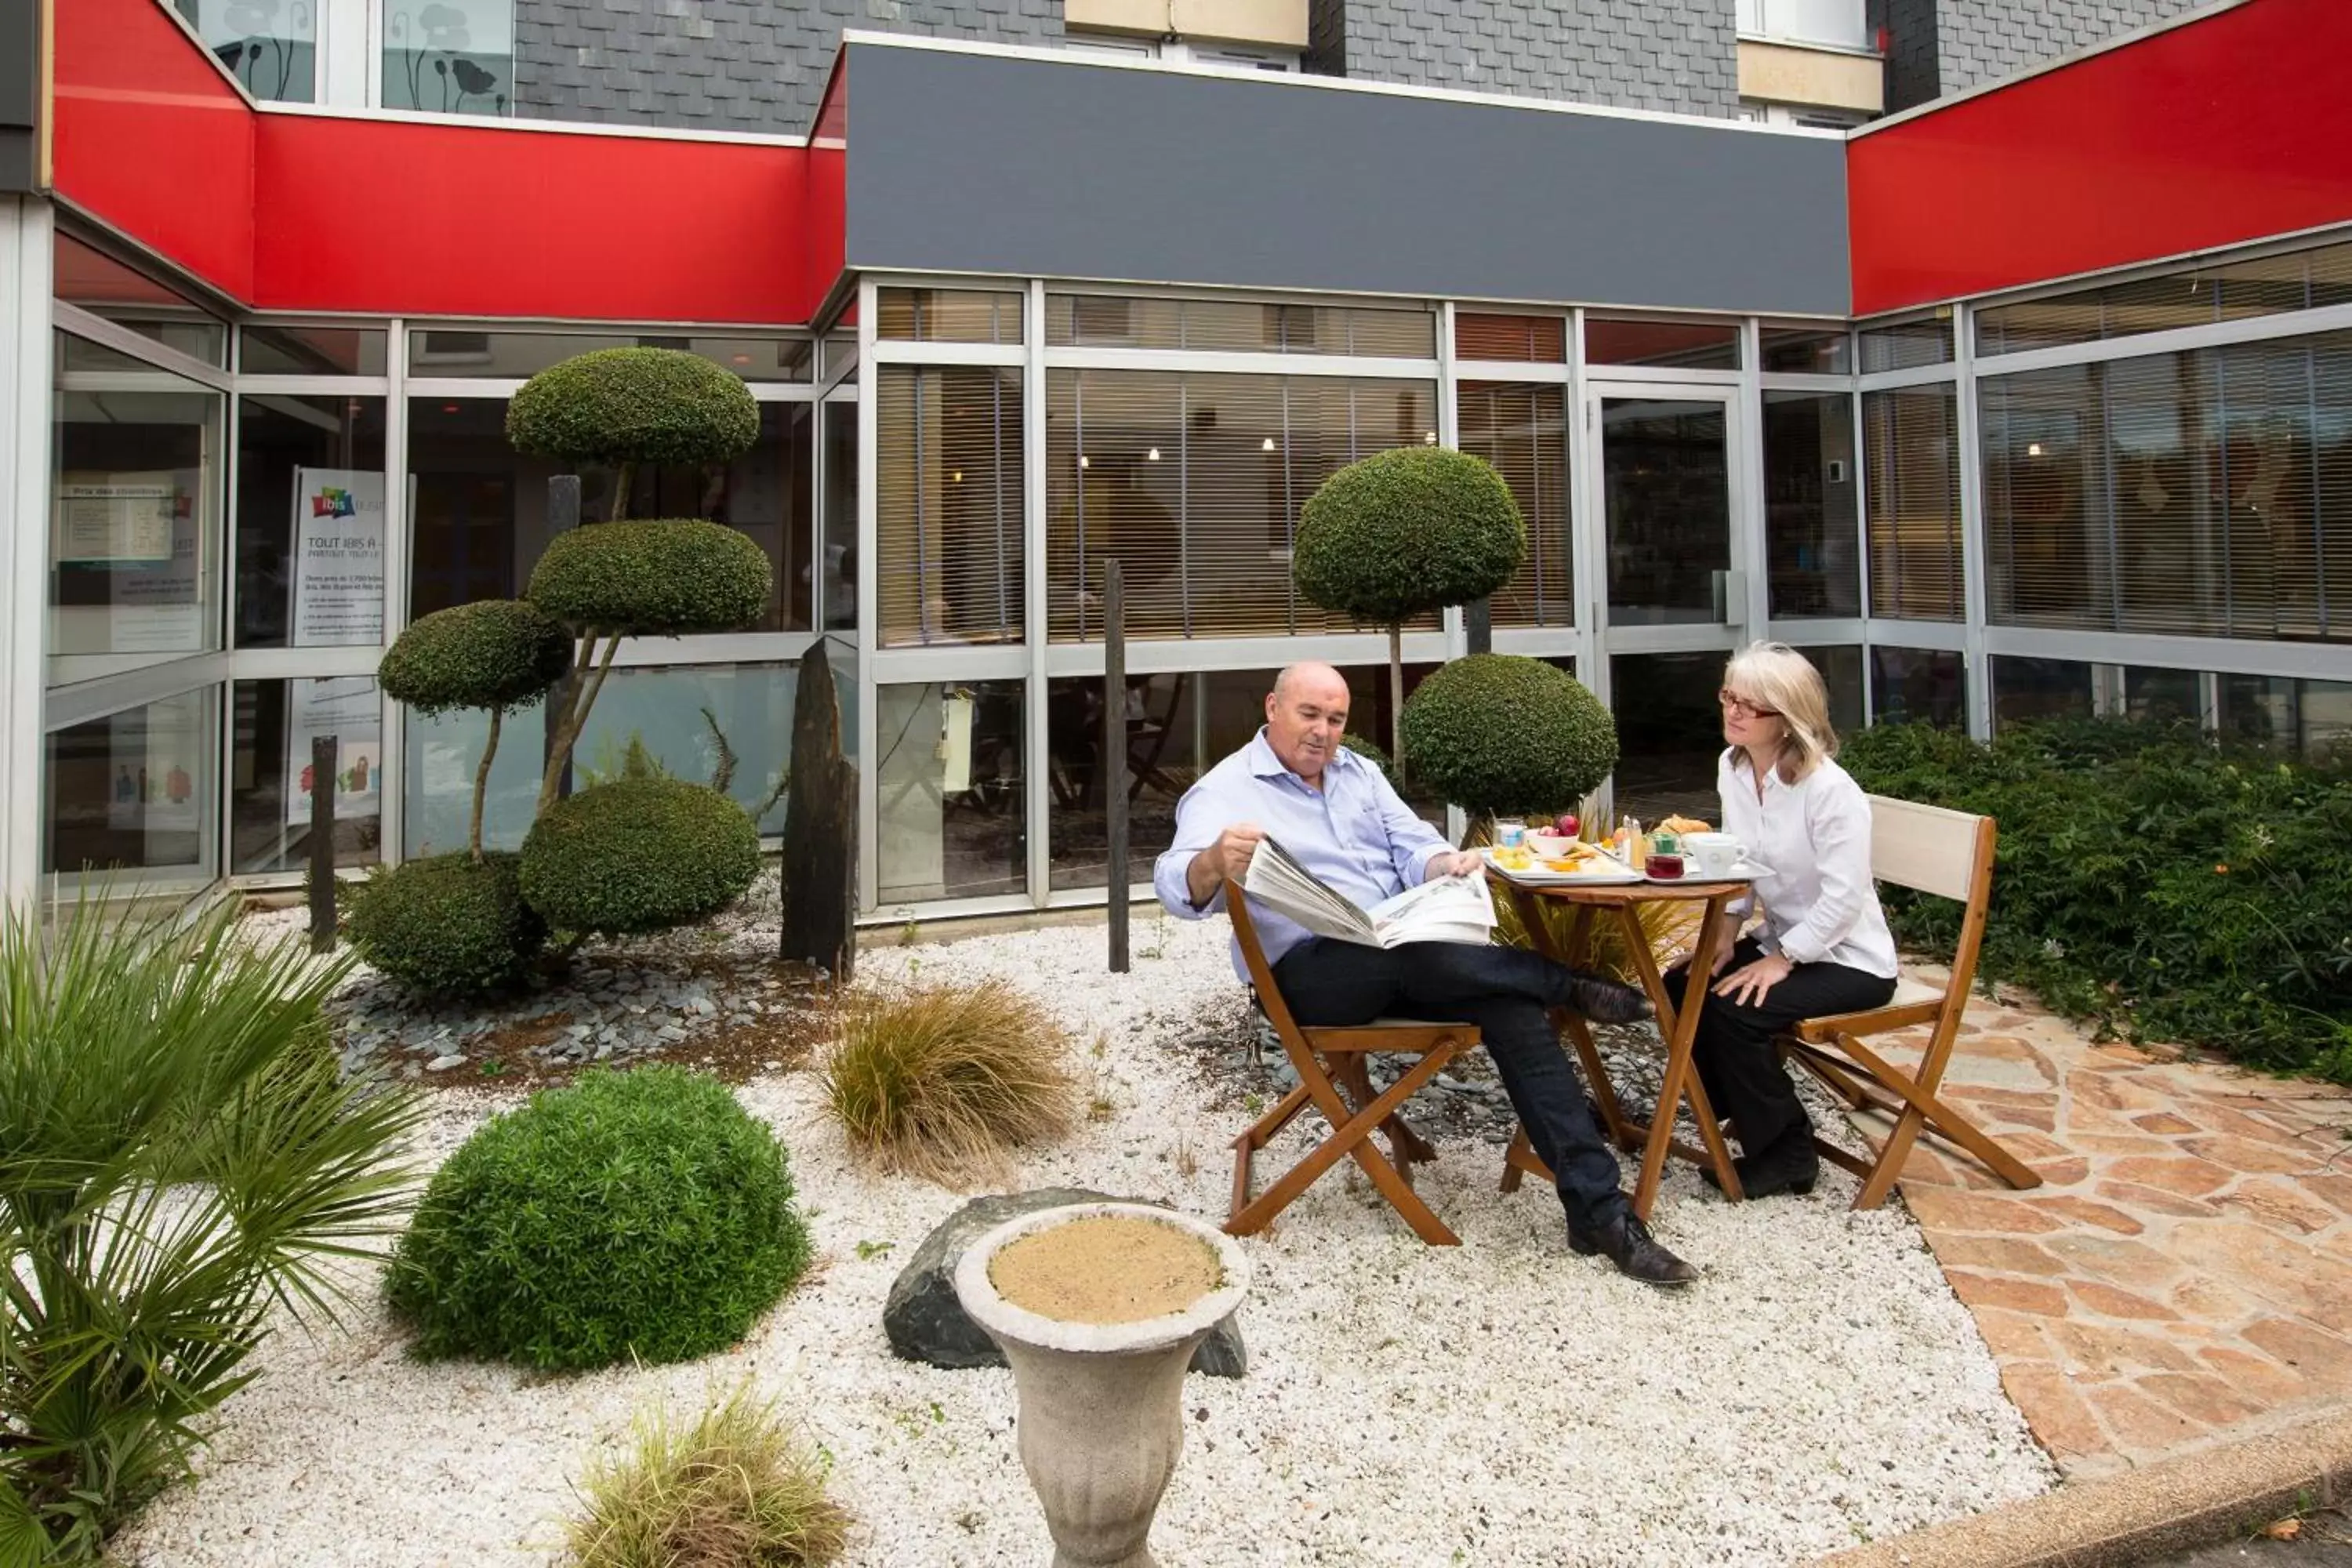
(1664,867)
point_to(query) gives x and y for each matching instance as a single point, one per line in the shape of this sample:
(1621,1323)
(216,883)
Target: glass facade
(1687,485)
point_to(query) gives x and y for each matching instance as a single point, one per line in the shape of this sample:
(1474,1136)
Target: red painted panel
(152,140)
(494,220)
(2218,131)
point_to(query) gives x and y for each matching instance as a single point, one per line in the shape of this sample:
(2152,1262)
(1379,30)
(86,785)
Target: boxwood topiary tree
(620,409)
(448,925)
(497,653)
(639,854)
(1404,532)
(1496,732)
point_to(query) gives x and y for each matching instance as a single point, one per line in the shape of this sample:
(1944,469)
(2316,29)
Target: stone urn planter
(1101,1387)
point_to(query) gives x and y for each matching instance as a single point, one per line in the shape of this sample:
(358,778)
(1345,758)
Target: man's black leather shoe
(1627,1243)
(1606,1000)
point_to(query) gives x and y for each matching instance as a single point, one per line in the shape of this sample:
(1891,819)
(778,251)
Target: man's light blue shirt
(1354,833)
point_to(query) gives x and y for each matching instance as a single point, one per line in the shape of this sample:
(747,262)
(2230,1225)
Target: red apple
(1567,824)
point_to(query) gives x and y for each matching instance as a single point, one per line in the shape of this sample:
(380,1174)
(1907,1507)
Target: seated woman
(1824,946)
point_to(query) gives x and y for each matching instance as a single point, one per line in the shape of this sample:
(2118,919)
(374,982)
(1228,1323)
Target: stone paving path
(2185,1271)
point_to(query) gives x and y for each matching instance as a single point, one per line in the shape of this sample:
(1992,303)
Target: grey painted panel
(17,151)
(971,162)
(19,61)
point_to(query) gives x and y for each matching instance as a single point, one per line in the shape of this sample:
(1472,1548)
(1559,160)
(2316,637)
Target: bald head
(1306,714)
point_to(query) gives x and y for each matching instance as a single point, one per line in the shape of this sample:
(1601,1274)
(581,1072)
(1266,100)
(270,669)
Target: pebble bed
(1502,1402)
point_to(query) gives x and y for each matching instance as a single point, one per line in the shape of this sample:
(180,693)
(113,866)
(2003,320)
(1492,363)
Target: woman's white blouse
(1820,904)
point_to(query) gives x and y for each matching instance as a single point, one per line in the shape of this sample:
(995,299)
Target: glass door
(1667,484)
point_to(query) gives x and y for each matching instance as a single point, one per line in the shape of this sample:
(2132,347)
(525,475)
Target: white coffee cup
(1717,853)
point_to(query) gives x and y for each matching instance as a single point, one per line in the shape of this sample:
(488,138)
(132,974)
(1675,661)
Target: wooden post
(1114,758)
(324,752)
(820,861)
(1479,621)
(563,515)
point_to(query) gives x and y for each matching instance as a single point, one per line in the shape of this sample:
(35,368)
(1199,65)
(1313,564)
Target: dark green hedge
(642,1215)
(639,854)
(666,578)
(2151,880)
(1406,531)
(1496,732)
(447,927)
(633,405)
(1374,753)
(499,653)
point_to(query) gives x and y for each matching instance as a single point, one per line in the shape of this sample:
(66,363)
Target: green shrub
(615,407)
(639,854)
(1371,753)
(732,1489)
(448,926)
(498,653)
(663,578)
(642,1214)
(2151,882)
(180,1154)
(940,1081)
(1496,732)
(1405,531)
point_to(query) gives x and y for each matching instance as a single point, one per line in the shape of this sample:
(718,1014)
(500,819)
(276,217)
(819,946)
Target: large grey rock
(927,1323)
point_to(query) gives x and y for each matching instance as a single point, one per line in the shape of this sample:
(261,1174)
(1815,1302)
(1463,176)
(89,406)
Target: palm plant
(180,1156)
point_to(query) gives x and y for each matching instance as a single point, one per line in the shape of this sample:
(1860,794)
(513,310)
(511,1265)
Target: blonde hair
(1780,677)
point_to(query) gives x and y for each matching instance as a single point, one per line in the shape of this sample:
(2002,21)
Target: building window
(443,350)
(1193,482)
(310,521)
(271,45)
(1834,24)
(1905,345)
(104,287)
(284,349)
(1809,505)
(273,779)
(134,514)
(954,821)
(947,505)
(132,792)
(2237,290)
(1523,340)
(2025,690)
(449,57)
(2310,718)
(1521,427)
(1678,345)
(948,316)
(1912,685)
(2207,493)
(1806,350)
(1144,322)
(1911,450)
(481,507)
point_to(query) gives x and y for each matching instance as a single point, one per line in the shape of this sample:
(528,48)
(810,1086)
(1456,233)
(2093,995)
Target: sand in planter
(1105,1270)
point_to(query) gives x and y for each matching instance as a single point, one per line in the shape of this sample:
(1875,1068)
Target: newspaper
(1445,908)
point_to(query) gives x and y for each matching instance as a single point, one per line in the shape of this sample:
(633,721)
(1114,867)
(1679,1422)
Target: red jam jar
(1664,867)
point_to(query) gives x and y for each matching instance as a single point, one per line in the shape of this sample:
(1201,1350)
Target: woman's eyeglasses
(1734,703)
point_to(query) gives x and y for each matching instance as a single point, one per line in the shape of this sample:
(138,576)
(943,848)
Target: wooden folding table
(1621,901)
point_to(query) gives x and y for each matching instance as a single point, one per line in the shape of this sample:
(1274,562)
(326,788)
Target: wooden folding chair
(1333,1077)
(1950,854)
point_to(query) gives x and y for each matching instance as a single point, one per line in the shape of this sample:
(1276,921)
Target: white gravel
(1502,1402)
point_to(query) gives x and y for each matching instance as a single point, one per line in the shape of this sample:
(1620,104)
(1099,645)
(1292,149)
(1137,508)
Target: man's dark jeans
(1505,990)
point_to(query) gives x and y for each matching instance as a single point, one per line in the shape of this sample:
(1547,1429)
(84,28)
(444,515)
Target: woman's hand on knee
(1749,985)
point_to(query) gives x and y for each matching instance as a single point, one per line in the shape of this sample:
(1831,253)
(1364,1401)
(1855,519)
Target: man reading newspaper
(1336,819)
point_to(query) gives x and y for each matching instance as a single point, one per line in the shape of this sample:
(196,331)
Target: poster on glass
(338,557)
(348,709)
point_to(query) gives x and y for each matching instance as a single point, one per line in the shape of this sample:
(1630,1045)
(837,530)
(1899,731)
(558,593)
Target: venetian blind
(948,515)
(1521,427)
(1911,457)
(2207,493)
(949,315)
(1236,326)
(1527,340)
(1193,482)
(2237,290)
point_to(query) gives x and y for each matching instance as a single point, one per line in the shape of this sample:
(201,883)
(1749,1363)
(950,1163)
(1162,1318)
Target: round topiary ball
(668,578)
(1374,753)
(639,854)
(1404,532)
(1497,733)
(633,405)
(637,1214)
(449,926)
(499,653)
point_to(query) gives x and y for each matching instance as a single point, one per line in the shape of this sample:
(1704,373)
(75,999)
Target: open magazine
(1449,908)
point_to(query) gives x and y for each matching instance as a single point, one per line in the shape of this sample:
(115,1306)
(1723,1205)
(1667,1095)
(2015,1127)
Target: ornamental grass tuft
(732,1488)
(641,1215)
(941,1082)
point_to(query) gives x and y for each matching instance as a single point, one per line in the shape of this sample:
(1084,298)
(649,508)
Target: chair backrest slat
(1927,848)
